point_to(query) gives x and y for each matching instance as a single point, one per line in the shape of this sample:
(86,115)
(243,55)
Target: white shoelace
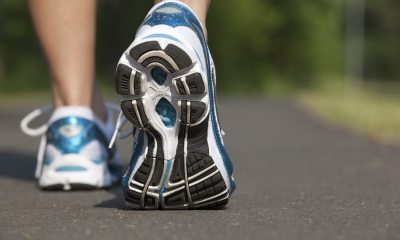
(41,131)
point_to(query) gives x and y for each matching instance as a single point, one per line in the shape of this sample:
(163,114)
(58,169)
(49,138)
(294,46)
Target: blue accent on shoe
(97,161)
(70,169)
(70,135)
(182,16)
(159,75)
(167,112)
(161,16)
(164,181)
(160,35)
(88,131)
(132,163)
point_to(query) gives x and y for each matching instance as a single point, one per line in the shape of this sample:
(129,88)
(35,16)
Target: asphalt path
(297,178)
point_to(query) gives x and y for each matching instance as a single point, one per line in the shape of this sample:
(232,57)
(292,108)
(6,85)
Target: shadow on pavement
(17,165)
(21,166)
(116,201)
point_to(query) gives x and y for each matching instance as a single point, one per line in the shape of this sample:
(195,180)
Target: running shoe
(73,152)
(166,83)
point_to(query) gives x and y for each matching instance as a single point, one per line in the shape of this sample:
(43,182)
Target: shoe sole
(177,171)
(69,187)
(88,176)
(71,181)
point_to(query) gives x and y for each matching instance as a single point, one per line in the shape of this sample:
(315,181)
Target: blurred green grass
(373,110)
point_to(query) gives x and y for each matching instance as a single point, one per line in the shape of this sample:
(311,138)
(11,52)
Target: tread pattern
(179,56)
(206,185)
(140,120)
(203,174)
(195,181)
(181,88)
(195,83)
(196,111)
(143,48)
(123,75)
(159,60)
(137,83)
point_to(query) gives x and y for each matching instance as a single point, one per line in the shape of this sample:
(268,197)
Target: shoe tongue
(86,113)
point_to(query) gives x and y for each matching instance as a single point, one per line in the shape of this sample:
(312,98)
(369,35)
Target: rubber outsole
(71,187)
(190,178)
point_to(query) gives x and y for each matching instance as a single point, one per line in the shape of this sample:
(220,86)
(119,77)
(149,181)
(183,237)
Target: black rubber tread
(122,80)
(150,202)
(211,186)
(179,56)
(74,187)
(196,162)
(149,157)
(176,200)
(183,112)
(208,188)
(197,138)
(151,133)
(143,171)
(142,48)
(135,186)
(129,112)
(159,60)
(141,175)
(137,85)
(133,198)
(54,187)
(214,205)
(180,86)
(196,111)
(158,172)
(142,113)
(195,83)
(159,163)
(177,172)
(150,145)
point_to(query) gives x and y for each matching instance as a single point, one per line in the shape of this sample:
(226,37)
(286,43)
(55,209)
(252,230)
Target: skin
(66,31)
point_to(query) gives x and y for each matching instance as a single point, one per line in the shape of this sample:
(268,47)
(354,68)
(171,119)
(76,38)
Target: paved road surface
(297,179)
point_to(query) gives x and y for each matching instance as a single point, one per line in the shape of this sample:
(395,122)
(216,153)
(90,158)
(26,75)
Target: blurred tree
(259,46)
(1,43)
(382,48)
(24,68)
(270,45)
(116,28)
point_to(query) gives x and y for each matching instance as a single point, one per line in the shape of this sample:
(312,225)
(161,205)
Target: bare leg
(200,7)
(66,30)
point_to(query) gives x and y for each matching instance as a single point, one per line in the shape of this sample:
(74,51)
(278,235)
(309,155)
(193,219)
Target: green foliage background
(260,46)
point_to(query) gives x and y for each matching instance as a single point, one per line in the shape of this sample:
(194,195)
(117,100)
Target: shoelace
(41,131)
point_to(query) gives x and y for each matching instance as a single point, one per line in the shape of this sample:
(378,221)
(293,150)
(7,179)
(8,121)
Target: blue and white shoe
(73,152)
(166,83)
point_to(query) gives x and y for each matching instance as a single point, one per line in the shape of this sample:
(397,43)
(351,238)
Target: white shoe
(166,82)
(73,152)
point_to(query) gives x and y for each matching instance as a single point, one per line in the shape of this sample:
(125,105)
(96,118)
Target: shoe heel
(189,177)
